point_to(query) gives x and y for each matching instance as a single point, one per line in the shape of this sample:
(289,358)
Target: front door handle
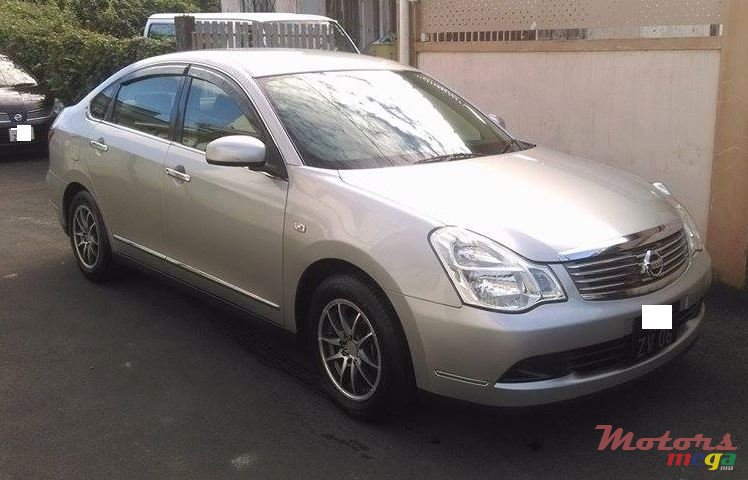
(99,145)
(178,173)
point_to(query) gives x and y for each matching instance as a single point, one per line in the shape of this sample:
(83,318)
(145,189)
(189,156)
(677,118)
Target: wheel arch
(314,274)
(70,192)
(323,268)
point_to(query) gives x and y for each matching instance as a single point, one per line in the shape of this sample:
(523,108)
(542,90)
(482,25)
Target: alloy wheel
(85,236)
(349,349)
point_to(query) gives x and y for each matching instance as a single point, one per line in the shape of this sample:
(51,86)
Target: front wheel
(360,353)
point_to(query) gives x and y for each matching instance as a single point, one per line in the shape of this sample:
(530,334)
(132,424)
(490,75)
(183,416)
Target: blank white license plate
(657,317)
(22,133)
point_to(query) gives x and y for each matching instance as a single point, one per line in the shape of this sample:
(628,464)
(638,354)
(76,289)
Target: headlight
(695,244)
(57,107)
(489,275)
(692,232)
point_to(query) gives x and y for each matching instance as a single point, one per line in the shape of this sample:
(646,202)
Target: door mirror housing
(497,120)
(236,151)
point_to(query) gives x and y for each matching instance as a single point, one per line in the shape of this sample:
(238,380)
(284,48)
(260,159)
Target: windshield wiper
(447,158)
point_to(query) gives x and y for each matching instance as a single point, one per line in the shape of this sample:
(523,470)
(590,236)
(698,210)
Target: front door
(224,225)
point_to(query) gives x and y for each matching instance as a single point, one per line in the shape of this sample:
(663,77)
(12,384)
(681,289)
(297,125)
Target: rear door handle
(99,145)
(178,173)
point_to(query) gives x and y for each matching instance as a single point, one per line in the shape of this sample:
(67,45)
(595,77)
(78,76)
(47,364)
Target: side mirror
(236,151)
(497,120)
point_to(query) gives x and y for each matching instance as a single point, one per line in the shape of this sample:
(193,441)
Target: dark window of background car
(162,30)
(100,102)
(212,113)
(147,104)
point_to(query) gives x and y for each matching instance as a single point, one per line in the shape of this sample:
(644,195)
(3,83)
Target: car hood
(21,99)
(537,202)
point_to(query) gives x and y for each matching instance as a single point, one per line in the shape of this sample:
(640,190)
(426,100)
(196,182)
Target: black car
(23,102)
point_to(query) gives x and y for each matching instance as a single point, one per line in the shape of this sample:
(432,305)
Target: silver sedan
(401,232)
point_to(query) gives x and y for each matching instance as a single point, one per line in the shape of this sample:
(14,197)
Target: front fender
(328,219)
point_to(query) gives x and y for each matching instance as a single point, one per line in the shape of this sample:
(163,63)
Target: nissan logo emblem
(652,264)
(17,117)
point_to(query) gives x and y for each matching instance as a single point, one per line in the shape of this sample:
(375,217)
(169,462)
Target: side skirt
(210,296)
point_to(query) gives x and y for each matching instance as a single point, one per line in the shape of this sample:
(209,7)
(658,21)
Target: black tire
(395,387)
(97,265)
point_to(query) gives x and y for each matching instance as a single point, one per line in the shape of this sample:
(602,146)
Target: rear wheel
(89,238)
(360,353)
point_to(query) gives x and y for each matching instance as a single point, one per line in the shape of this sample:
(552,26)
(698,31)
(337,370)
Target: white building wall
(649,112)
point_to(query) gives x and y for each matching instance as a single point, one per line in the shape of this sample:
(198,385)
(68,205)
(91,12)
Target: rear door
(126,153)
(224,225)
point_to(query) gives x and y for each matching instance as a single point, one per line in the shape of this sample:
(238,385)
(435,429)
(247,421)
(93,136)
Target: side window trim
(110,106)
(241,97)
(181,107)
(177,111)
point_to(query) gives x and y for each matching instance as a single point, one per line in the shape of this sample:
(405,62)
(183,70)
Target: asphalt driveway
(139,379)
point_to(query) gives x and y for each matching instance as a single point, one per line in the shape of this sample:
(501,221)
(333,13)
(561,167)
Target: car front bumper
(41,130)
(463,352)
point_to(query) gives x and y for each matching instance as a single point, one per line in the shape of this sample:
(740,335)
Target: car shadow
(280,350)
(691,395)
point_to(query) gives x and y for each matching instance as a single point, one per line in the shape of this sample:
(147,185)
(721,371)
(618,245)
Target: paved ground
(139,379)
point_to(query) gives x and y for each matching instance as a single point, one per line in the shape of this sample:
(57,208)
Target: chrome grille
(4,118)
(622,274)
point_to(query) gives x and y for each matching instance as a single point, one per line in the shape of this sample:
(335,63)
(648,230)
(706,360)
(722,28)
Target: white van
(161,25)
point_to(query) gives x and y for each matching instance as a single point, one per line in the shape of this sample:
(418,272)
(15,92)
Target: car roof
(249,16)
(264,62)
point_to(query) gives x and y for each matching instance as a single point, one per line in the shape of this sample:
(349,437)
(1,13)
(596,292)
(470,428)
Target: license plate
(21,133)
(648,342)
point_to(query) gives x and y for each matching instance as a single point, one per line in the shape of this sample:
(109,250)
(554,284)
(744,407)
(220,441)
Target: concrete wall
(651,112)
(286,6)
(231,6)
(315,7)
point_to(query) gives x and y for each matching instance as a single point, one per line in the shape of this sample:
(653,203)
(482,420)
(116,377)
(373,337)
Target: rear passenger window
(146,105)
(211,113)
(100,102)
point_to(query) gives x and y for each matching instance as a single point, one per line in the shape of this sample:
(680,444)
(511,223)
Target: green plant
(56,48)
(126,18)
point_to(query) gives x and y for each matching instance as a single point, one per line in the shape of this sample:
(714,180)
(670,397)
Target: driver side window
(212,113)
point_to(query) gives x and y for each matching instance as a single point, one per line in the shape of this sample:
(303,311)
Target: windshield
(11,75)
(370,119)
